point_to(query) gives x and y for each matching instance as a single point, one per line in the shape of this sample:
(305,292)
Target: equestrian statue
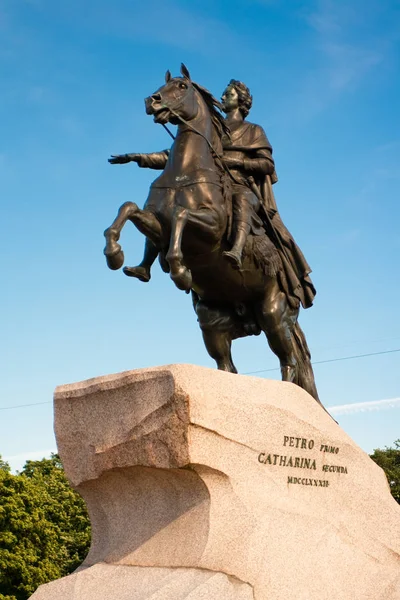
(211,219)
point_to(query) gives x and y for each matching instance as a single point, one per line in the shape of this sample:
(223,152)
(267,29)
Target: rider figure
(248,154)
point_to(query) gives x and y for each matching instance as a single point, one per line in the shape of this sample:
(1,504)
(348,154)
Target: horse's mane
(220,127)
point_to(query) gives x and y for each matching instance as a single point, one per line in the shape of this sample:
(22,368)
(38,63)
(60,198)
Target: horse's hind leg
(277,319)
(217,339)
(218,344)
(305,371)
(286,339)
(145,221)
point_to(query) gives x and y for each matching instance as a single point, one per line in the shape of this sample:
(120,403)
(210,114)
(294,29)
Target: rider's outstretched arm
(154,160)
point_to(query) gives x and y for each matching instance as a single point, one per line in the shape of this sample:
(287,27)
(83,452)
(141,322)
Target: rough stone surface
(206,481)
(106,582)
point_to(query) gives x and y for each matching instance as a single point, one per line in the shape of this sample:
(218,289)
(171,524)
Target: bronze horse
(186,220)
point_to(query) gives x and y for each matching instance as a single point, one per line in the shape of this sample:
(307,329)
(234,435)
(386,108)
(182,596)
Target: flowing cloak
(251,141)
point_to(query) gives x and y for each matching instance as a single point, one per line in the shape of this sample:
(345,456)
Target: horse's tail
(305,373)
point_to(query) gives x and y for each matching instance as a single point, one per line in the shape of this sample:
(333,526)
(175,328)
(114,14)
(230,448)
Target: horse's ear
(185,72)
(167,76)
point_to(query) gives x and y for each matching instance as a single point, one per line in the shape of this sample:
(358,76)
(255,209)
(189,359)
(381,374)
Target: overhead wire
(330,360)
(317,362)
(25,405)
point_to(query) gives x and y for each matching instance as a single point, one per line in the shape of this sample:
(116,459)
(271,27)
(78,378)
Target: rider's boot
(142,271)
(234,256)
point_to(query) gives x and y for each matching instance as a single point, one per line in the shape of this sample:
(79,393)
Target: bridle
(219,160)
(218,157)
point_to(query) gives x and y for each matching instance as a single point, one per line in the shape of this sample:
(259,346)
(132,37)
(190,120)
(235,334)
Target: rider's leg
(142,271)
(245,207)
(235,254)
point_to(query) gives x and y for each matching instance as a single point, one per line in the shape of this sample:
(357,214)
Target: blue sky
(324,77)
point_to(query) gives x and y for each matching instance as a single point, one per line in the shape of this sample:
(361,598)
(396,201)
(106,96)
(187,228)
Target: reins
(213,151)
(251,183)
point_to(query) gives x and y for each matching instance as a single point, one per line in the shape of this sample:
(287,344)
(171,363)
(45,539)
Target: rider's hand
(122,159)
(119,159)
(233,163)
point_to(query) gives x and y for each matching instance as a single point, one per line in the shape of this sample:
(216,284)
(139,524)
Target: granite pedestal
(206,485)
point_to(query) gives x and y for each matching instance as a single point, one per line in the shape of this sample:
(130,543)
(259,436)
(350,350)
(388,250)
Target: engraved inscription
(287,461)
(303,462)
(305,481)
(334,469)
(332,449)
(296,442)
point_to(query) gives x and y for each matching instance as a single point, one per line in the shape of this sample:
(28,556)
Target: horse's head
(178,95)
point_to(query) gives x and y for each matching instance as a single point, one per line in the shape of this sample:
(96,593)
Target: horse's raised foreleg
(143,270)
(112,251)
(205,224)
(145,221)
(179,273)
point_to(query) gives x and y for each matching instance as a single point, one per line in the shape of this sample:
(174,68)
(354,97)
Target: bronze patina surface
(212,220)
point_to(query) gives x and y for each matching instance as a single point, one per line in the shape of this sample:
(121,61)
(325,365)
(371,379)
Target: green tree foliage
(389,460)
(4,466)
(44,527)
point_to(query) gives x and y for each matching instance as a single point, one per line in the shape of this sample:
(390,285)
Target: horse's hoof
(139,272)
(115,259)
(182,279)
